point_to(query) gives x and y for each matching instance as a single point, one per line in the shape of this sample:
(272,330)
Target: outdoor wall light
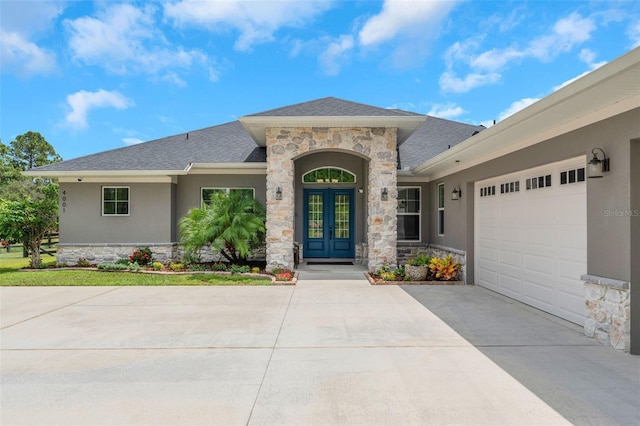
(279,193)
(385,194)
(456,193)
(597,166)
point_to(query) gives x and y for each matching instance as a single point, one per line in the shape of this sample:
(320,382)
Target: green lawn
(10,275)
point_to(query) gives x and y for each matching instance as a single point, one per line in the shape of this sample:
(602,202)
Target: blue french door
(328,223)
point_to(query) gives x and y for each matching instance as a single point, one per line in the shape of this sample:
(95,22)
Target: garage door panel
(531,245)
(510,234)
(511,258)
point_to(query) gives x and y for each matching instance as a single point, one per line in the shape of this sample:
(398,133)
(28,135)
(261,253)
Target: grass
(11,263)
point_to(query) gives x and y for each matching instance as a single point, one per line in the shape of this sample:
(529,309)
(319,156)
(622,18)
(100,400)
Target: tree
(32,150)
(8,171)
(233,224)
(30,218)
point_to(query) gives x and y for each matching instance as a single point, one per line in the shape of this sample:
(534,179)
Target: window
(206,193)
(572,176)
(538,182)
(329,175)
(408,213)
(441,209)
(115,201)
(509,187)
(488,191)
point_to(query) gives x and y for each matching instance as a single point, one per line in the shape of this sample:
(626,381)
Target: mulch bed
(377,280)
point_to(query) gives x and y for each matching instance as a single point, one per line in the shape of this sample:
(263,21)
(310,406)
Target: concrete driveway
(323,352)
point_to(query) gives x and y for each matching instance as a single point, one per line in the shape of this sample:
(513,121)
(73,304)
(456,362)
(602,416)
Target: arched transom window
(328,175)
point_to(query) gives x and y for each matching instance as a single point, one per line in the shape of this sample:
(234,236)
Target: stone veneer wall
(408,250)
(69,254)
(608,308)
(376,144)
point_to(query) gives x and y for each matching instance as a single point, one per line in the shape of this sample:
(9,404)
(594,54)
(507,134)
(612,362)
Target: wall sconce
(597,166)
(456,193)
(385,194)
(279,193)
(360,190)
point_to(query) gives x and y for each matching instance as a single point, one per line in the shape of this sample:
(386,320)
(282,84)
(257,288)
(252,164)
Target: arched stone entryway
(376,144)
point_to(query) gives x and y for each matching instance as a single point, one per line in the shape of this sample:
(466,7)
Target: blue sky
(93,76)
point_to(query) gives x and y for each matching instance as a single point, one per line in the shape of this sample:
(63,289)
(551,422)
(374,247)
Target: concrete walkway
(323,352)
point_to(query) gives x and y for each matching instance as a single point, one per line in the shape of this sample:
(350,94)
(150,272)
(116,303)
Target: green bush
(83,263)
(219,267)
(196,267)
(420,260)
(113,267)
(176,267)
(237,269)
(255,270)
(122,262)
(157,266)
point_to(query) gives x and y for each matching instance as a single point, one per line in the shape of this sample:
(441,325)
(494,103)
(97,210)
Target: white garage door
(531,237)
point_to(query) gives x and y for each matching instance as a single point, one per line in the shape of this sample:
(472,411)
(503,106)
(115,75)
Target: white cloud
(257,21)
(335,54)
(486,67)
(23,57)
(22,24)
(402,16)
(82,102)
(448,110)
(517,106)
(450,82)
(132,141)
(411,25)
(567,33)
(123,39)
(633,32)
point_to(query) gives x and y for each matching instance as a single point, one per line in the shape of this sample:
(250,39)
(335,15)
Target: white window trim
(440,209)
(225,189)
(102,199)
(419,214)
(355,178)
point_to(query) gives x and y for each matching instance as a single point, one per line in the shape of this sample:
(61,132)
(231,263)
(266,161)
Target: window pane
(122,194)
(581,175)
(341,220)
(441,196)
(248,192)
(441,222)
(122,208)
(408,227)
(315,216)
(109,207)
(109,194)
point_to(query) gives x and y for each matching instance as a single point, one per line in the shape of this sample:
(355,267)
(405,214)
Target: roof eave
(574,106)
(77,173)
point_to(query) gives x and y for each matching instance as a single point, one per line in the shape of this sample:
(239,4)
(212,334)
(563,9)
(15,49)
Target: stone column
(279,237)
(382,220)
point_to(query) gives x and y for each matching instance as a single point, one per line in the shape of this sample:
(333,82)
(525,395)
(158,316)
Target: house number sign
(64,201)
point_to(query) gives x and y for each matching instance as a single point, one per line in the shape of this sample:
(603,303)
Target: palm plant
(232,223)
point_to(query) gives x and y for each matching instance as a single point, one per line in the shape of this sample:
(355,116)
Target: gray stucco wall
(188,190)
(609,237)
(353,164)
(634,164)
(149,220)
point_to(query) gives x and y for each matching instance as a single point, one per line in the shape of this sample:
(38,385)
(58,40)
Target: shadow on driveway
(583,381)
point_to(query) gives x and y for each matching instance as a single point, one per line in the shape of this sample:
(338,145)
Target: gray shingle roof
(434,137)
(226,143)
(332,107)
(230,142)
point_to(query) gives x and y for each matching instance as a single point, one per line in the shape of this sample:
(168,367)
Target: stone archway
(377,144)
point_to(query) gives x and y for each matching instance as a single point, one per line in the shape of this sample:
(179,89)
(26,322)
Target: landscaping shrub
(444,269)
(142,256)
(237,269)
(157,266)
(220,267)
(255,270)
(176,267)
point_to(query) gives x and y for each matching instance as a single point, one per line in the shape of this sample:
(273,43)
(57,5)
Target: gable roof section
(331,112)
(332,107)
(434,137)
(225,143)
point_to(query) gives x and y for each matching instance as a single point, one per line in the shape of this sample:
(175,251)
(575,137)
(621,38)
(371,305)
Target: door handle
(331,232)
